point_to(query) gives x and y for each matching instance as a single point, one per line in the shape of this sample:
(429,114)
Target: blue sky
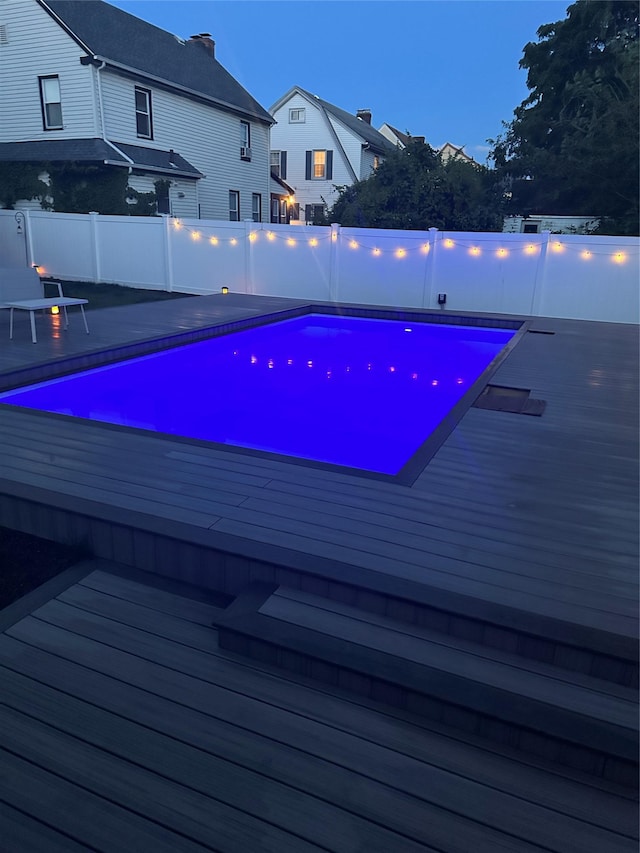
(443,69)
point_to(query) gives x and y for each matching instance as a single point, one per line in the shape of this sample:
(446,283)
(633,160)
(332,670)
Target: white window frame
(275,162)
(245,134)
(297,115)
(234,196)
(316,166)
(143,113)
(47,100)
(256,209)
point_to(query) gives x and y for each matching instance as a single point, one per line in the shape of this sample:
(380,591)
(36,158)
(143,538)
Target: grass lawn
(109,295)
(28,561)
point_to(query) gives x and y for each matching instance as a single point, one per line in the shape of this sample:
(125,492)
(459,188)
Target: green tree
(573,145)
(414,189)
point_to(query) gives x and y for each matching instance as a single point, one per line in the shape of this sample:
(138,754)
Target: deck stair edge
(570,719)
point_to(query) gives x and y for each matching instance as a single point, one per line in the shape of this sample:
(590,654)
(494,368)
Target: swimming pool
(350,391)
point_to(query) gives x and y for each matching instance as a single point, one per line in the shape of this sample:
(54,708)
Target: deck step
(568,718)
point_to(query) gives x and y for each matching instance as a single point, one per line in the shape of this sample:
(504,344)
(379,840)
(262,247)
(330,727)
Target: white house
(536,223)
(316,147)
(400,140)
(88,84)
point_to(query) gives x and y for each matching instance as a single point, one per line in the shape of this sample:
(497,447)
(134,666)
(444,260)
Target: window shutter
(307,168)
(283,165)
(329,165)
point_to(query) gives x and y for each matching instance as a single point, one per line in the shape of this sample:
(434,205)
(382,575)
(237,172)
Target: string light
(474,249)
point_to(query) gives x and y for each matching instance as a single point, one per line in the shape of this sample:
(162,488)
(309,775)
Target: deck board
(127,708)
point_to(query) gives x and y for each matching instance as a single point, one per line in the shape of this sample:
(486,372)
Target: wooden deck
(124,727)
(536,517)
(520,537)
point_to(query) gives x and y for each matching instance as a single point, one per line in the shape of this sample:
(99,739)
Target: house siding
(207,137)
(296,140)
(37,46)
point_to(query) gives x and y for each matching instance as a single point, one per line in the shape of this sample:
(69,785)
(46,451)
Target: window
(245,140)
(279,163)
(256,207)
(376,161)
(530,227)
(319,165)
(314,214)
(51,102)
(234,205)
(144,127)
(297,116)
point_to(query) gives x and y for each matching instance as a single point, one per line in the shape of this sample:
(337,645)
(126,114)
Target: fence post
(541,275)
(28,238)
(248,256)
(168,255)
(95,247)
(334,270)
(429,269)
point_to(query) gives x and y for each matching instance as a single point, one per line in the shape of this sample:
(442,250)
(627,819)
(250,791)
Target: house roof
(403,137)
(154,159)
(58,150)
(376,141)
(129,43)
(98,151)
(282,187)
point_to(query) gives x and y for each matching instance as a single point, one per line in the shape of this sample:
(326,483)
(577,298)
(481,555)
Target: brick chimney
(206,41)
(365,115)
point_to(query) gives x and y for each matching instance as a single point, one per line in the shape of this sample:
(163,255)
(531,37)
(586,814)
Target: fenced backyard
(564,276)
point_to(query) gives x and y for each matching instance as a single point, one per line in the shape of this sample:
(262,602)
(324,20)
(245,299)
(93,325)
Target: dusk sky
(443,69)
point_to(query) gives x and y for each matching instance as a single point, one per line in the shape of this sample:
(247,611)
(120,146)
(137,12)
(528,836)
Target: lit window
(297,116)
(51,102)
(256,207)
(143,113)
(376,161)
(234,206)
(319,164)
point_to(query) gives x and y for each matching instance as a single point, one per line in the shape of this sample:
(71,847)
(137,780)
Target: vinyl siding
(37,46)
(296,139)
(207,137)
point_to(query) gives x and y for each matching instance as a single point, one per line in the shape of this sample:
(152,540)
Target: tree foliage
(414,189)
(573,145)
(21,181)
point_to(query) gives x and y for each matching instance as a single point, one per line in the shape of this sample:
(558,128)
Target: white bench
(21,289)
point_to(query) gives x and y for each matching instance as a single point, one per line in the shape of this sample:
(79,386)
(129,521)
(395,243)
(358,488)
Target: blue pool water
(364,393)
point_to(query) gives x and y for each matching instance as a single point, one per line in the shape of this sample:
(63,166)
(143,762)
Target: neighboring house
(397,138)
(537,223)
(401,140)
(87,84)
(316,147)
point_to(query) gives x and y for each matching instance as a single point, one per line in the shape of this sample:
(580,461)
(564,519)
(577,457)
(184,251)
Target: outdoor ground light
(225,290)
(55,309)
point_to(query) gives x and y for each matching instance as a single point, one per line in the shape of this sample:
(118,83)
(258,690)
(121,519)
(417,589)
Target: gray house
(90,86)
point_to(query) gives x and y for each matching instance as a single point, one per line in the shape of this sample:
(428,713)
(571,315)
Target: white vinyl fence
(572,276)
